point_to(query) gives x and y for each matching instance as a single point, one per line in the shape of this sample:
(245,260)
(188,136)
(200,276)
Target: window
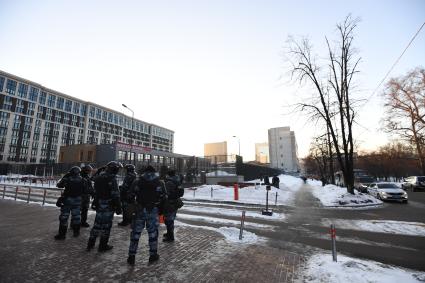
(59,104)
(33,94)
(140,157)
(147,157)
(98,113)
(22,90)
(1,83)
(76,108)
(81,155)
(83,110)
(104,115)
(11,87)
(68,105)
(42,98)
(121,155)
(51,101)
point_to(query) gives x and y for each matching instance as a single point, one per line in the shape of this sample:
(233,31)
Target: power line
(395,63)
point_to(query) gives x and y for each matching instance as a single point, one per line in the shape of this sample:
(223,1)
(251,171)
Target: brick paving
(28,253)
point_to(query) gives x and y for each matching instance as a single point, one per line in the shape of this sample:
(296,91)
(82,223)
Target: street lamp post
(239,145)
(131,145)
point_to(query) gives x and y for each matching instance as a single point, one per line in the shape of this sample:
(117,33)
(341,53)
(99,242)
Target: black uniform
(70,203)
(85,199)
(124,190)
(106,202)
(174,192)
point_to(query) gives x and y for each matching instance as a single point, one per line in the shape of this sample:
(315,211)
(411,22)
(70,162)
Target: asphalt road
(304,229)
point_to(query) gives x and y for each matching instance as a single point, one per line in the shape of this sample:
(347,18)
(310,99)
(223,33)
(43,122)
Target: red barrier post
(236,191)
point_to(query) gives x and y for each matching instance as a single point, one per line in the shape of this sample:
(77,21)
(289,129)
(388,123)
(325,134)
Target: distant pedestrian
(85,197)
(275,181)
(148,193)
(70,201)
(174,202)
(106,202)
(266,180)
(129,178)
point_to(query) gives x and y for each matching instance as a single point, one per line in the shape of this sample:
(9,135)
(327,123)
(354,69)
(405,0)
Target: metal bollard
(333,238)
(4,190)
(16,193)
(194,193)
(242,225)
(29,194)
(275,201)
(211,192)
(44,196)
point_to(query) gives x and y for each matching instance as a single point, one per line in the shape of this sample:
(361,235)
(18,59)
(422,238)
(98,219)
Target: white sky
(208,70)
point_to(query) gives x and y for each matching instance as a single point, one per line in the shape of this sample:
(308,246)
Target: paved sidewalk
(28,253)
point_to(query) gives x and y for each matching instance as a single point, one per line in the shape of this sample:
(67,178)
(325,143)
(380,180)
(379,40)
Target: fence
(28,193)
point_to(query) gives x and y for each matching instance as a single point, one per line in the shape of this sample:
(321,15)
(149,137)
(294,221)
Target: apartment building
(283,149)
(36,121)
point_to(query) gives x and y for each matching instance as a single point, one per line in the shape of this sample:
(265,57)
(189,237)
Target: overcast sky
(208,70)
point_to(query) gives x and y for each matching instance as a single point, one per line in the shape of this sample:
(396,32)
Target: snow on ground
(215,220)
(255,194)
(331,195)
(321,268)
(231,234)
(379,226)
(219,173)
(232,212)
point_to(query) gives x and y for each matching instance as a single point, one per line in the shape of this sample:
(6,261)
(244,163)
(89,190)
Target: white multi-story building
(262,152)
(283,149)
(35,121)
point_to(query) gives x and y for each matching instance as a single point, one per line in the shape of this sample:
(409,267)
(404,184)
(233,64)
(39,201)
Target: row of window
(129,156)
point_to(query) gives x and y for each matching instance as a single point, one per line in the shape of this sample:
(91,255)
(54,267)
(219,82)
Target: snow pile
(219,173)
(321,268)
(379,226)
(331,195)
(232,235)
(255,194)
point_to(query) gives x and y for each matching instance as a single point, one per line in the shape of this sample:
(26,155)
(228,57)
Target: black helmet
(87,169)
(75,170)
(113,167)
(149,169)
(130,168)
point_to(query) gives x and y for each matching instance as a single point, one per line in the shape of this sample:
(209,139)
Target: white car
(387,191)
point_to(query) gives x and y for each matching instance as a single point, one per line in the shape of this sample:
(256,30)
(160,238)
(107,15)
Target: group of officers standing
(140,200)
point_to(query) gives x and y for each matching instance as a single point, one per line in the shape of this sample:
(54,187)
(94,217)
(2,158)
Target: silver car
(387,191)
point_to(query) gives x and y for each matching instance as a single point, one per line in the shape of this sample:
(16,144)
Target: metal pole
(267,200)
(44,196)
(211,192)
(333,238)
(242,225)
(194,193)
(275,201)
(4,190)
(29,194)
(16,192)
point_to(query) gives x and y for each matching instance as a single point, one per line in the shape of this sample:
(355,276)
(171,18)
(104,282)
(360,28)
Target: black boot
(84,218)
(76,230)
(62,233)
(85,224)
(124,221)
(153,258)
(131,259)
(169,236)
(103,245)
(90,244)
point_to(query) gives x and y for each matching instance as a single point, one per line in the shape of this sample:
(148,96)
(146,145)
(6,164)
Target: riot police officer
(106,202)
(85,198)
(75,187)
(149,193)
(124,188)
(174,193)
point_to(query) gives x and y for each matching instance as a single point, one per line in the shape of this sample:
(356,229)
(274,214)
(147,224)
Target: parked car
(414,183)
(387,191)
(361,183)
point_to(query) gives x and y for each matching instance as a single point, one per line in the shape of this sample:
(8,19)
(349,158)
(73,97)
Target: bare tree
(331,102)
(405,110)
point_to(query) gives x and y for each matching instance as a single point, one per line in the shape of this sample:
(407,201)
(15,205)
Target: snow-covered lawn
(379,226)
(321,268)
(255,194)
(334,196)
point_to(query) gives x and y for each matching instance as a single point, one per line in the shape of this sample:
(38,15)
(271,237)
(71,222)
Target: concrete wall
(213,180)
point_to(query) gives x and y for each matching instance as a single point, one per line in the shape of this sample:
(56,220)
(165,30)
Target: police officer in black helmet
(124,189)
(75,187)
(85,198)
(106,202)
